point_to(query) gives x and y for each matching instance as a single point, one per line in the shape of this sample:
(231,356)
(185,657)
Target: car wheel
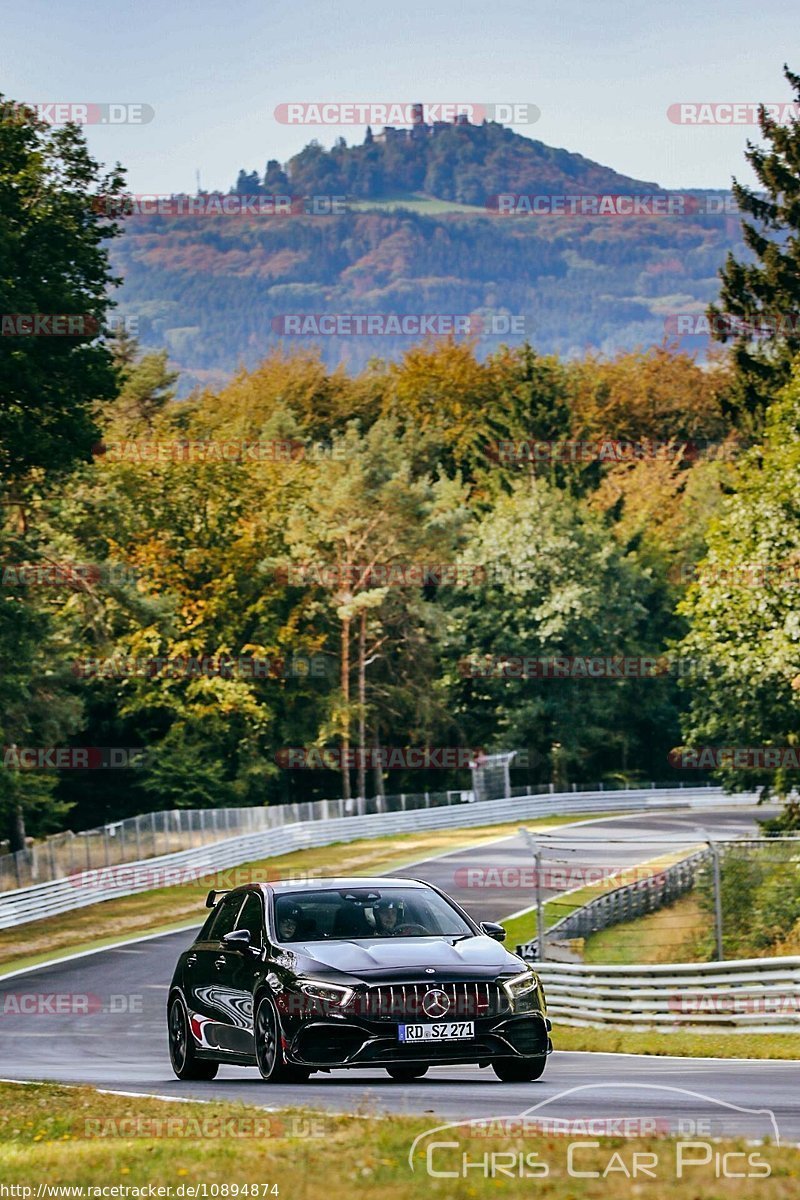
(519,1070)
(269,1047)
(183,1056)
(406,1074)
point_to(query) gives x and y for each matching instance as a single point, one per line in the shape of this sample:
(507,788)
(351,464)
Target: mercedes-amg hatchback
(390,973)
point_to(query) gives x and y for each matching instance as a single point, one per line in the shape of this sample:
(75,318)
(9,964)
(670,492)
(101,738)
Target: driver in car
(288,924)
(389,917)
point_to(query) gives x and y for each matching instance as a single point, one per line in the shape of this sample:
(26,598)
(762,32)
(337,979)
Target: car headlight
(525,992)
(329,993)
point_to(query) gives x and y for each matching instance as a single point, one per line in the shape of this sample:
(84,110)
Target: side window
(225,917)
(251,918)
(203,935)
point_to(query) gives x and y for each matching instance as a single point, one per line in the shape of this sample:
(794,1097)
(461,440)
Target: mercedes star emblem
(435,1003)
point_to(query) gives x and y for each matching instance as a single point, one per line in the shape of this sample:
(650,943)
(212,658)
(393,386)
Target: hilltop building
(419,127)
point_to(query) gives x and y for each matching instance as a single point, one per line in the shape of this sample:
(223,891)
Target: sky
(603,75)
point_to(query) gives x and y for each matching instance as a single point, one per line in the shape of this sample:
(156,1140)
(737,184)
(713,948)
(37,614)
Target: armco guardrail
(328,822)
(754,995)
(152,834)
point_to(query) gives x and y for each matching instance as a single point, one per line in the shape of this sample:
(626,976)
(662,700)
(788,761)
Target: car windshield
(362,912)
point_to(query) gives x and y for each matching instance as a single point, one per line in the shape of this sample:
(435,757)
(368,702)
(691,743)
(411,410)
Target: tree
(275,178)
(555,586)
(363,510)
(35,712)
(744,616)
(54,372)
(146,384)
(54,266)
(248,183)
(760,299)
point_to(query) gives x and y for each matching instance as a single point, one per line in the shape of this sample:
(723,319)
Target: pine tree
(759,307)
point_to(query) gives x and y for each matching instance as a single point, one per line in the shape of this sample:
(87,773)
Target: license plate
(439,1031)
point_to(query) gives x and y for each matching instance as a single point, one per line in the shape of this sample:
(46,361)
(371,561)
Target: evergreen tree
(760,300)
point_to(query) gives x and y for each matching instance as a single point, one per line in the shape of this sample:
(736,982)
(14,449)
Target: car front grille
(405,1002)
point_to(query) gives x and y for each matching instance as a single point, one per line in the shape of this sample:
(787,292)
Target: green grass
(55,1135)
(669,935)
(424,205)
(681,1042)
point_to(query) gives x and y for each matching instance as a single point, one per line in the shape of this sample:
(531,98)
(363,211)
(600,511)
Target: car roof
(348,881)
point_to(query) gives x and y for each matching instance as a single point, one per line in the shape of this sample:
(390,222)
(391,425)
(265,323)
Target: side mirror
(493,930)
(239,939)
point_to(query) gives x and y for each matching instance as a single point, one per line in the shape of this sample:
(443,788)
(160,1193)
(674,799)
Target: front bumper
(335,1041)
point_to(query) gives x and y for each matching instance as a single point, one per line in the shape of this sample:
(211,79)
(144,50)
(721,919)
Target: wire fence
(650,900)
(153,834)
(632,900)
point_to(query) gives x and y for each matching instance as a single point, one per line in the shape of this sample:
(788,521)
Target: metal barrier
(322,823)
(754,995)
(153,834)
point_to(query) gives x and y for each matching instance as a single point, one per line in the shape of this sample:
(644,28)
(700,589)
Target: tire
(182,1053)
(269,1047)
(406,1074)
(519,1070)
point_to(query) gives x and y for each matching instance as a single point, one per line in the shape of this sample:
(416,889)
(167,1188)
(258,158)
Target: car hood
(400,958)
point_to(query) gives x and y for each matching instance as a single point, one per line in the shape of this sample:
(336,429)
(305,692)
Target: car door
(208,996)
(237,976)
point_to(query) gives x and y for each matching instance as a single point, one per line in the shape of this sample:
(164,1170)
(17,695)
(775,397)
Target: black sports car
(352,973)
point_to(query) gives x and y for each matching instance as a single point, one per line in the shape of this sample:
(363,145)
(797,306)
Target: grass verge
(682,1042)
(669,935)
(50,1134)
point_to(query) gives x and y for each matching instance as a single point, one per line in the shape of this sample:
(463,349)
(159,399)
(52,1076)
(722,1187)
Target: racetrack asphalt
(111,1032)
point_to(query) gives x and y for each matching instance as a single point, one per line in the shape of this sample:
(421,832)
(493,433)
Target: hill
(413,232)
